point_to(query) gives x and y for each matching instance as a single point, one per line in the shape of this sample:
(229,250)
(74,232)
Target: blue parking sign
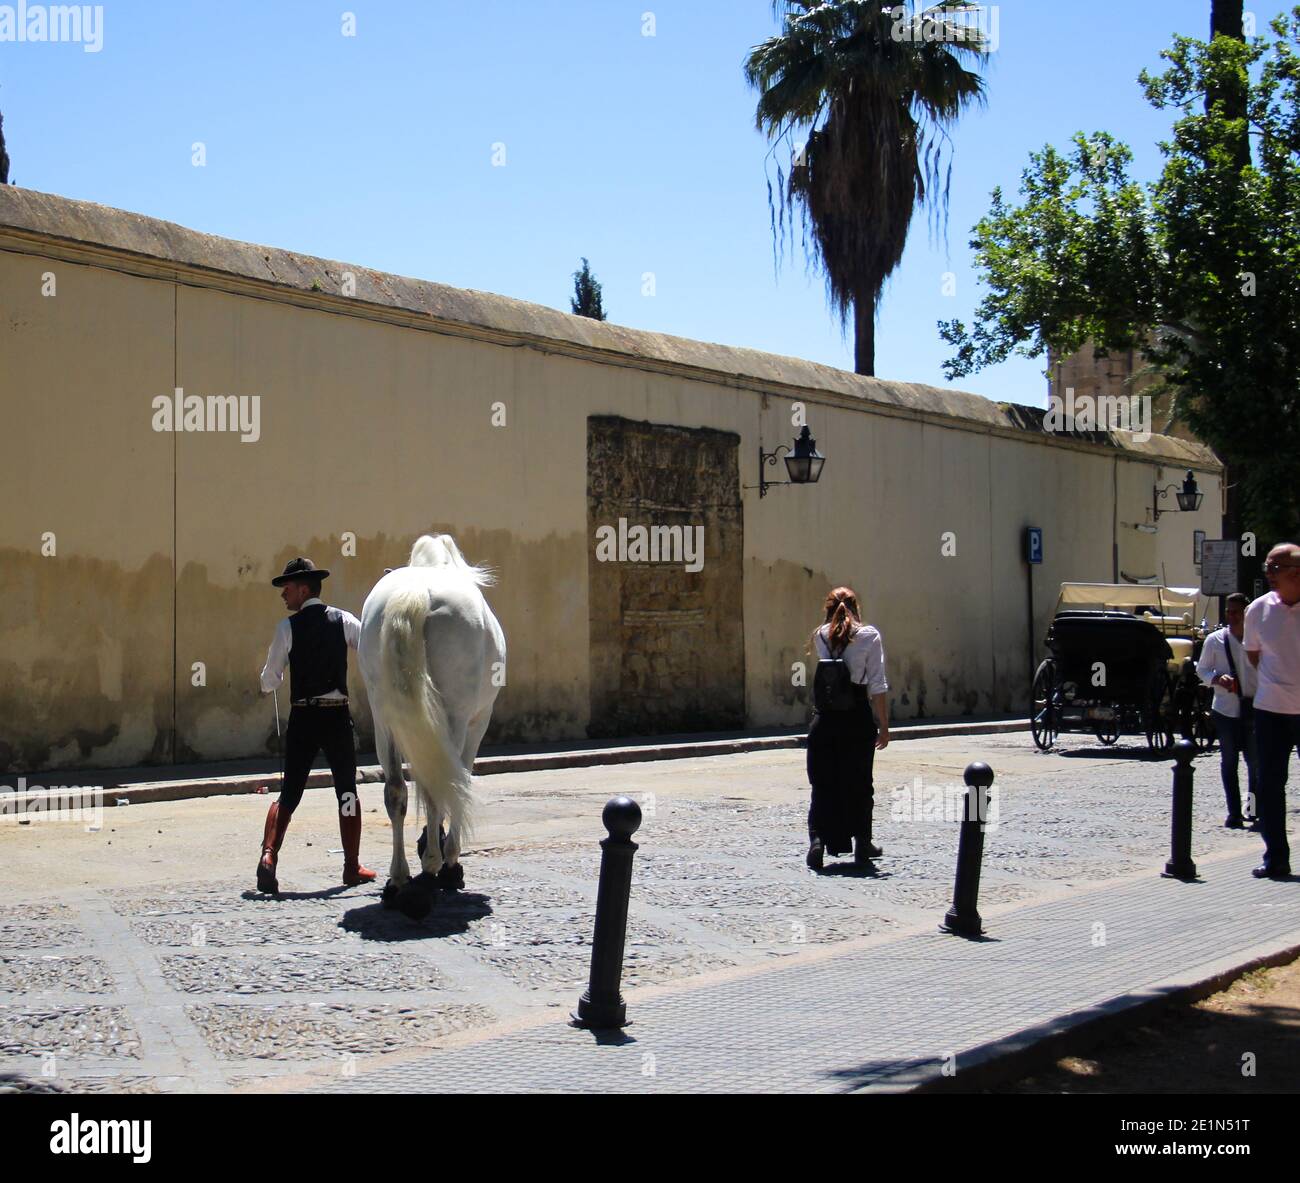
(1033,544)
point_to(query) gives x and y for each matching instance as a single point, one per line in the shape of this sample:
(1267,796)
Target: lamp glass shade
(1190,498)
(804,463)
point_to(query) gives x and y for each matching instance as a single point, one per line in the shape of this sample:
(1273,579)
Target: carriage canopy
(1178,603)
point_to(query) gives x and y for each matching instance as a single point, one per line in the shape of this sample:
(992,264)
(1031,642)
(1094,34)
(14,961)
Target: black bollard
(963,917)
(602,1005)
(1180,865)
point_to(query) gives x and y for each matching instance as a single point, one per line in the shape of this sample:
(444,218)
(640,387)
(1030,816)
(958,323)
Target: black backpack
(833,686)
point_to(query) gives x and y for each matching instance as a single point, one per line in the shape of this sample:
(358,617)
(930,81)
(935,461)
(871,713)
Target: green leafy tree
(1197,270)
(867,91)
(586,294)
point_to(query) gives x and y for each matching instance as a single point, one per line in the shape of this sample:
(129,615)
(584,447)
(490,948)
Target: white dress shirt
(1273,629)
(277,659)
(864,655)
(1214,664)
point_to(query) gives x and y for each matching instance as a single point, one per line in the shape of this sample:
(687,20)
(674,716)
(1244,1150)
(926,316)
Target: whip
(279,739)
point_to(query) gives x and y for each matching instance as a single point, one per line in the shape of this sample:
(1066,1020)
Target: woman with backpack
(848,688)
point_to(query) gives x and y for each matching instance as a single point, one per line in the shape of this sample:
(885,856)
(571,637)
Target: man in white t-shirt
(1224,666)
(1272,642)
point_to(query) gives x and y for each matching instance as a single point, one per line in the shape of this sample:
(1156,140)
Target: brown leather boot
(277,822)
(350,831)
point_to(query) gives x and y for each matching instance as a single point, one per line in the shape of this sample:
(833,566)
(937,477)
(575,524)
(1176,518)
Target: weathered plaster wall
(85,632)
(667,635)
(381,418)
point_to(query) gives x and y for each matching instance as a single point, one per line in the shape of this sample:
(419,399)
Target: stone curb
(148,792)
(1072,1034)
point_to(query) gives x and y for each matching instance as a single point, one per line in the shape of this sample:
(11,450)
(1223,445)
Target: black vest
(318,657)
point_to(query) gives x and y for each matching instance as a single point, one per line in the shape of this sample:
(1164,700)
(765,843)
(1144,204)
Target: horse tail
(442,551)
(413,709)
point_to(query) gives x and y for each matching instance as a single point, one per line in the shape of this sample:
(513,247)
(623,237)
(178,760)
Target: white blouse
(864,655)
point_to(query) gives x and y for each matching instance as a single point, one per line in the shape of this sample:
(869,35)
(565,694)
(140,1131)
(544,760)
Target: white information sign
(1218,567)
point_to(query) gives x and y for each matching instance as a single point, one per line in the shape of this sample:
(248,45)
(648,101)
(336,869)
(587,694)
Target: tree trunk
(1247,567)
(1226,18)
(864,336)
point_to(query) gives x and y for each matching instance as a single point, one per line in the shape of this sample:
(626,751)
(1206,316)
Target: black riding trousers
(310,731)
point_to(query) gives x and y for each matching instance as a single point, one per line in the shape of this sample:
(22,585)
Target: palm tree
(1227,17)
(872,90)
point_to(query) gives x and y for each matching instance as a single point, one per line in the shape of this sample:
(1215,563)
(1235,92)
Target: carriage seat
(1183,649)
(1166,623)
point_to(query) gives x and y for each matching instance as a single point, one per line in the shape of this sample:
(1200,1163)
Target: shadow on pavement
(259,897)
(878,1072)
(453,912)
(850,870)
(1114,753)
(606,1037)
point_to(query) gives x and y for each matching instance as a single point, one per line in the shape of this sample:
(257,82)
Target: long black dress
(841,752)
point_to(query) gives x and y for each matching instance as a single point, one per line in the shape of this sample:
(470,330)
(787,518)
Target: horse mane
(442,551)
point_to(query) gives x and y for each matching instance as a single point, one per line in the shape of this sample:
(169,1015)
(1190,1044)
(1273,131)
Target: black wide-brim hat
(299,569)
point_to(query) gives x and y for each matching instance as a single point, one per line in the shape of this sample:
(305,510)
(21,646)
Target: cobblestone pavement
(136,971)
(888,1015)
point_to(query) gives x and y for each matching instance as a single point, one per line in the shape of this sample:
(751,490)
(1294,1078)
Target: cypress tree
(586,294)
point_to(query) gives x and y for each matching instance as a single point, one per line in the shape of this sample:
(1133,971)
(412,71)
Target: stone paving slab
(140,953)
(891,1014)
(228,778)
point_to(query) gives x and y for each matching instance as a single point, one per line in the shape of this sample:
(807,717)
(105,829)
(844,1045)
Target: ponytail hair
(844,617)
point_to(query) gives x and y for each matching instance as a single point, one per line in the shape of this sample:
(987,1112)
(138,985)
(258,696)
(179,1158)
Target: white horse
(430,654)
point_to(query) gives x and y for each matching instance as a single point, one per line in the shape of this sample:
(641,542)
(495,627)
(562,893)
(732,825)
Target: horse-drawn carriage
(1122,661)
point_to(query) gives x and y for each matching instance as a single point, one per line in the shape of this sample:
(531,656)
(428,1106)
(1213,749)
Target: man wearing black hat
(313,642)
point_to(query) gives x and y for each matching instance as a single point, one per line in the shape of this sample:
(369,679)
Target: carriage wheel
(1186,709)
(1108,730)
(1158,717)
(1043,719)
(1160,737)
(1203,733)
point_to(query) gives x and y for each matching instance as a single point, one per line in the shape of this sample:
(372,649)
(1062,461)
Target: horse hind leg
(417,897)
(431,857)
(399,873)
(453,874)
(440,856)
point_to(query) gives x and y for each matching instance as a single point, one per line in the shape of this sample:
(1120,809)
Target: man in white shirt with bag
(1272,640)
(1225,666)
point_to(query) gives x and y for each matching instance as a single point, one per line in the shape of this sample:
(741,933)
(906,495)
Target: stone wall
(135,603)
(667,642)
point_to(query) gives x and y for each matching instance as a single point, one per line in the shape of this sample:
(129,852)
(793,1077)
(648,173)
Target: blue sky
(637,152)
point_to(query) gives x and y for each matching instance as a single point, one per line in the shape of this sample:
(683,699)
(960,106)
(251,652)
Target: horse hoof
(451,878)
(416,899)
(389,895)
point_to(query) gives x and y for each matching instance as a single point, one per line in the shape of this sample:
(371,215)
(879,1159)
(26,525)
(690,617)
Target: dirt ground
(1198,1048)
